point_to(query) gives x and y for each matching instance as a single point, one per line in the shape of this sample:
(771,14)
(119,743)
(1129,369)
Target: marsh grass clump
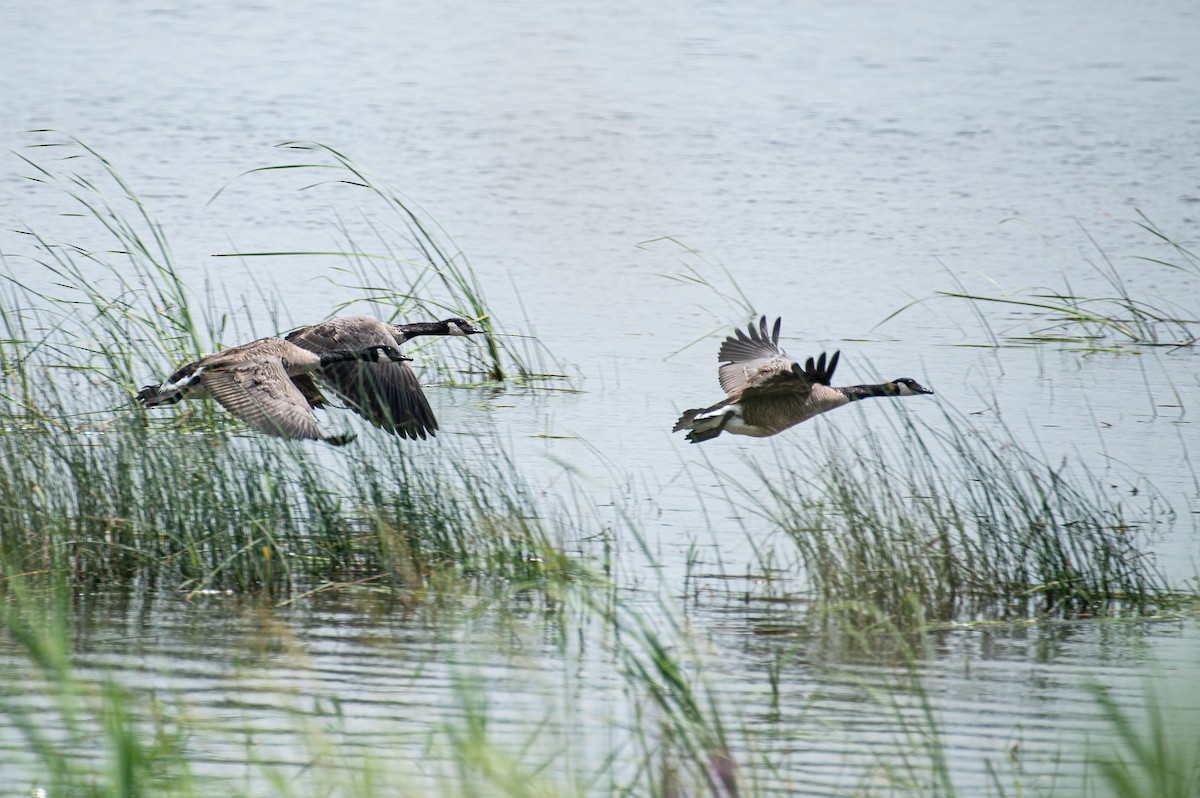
(951,523)
(219,511)
(1119,317)
(111,307)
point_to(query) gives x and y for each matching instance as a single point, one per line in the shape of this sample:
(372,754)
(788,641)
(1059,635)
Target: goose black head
(906,386)
(458,326)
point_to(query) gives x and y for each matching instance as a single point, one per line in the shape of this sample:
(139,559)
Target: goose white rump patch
(734,425)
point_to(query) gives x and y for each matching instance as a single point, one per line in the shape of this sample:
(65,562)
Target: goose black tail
(702,429)
(700,436)
(685,421)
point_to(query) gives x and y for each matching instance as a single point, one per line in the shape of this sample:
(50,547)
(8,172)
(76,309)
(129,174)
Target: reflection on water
(1011,697)
(839,159)
(828,709)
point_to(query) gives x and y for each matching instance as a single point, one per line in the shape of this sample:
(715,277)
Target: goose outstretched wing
(753,359)
(260,393)
(797,383)
(389,394)
(755,365)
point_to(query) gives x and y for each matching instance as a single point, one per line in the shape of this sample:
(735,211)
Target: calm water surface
(840,159)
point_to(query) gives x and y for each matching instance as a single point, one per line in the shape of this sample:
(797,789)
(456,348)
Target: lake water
(839,159)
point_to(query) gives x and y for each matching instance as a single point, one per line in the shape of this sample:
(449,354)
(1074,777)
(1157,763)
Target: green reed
(948,523)
(700,271)
(119,308)
(1122,316)
(1156,749)
(216,511)
(115,303)
(82,732)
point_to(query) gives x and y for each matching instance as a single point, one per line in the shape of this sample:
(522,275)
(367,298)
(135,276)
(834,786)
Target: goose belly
(730,419)
(738,426)
(777,414)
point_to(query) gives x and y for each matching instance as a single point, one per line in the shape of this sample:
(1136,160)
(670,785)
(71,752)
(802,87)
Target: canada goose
(255,382)
(769,392)
(386,394)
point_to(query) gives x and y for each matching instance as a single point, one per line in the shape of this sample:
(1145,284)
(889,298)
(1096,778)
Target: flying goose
(256,383)
(386,394)
(767,391)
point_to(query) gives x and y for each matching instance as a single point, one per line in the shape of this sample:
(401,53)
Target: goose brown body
(255,382)
(767,392)
(388,395)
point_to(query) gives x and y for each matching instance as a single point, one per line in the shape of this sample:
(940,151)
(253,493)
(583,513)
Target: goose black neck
(856,392)
(416,328)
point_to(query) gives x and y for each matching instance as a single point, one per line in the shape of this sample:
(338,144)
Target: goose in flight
(767,392)
(256,382)
(387,394)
